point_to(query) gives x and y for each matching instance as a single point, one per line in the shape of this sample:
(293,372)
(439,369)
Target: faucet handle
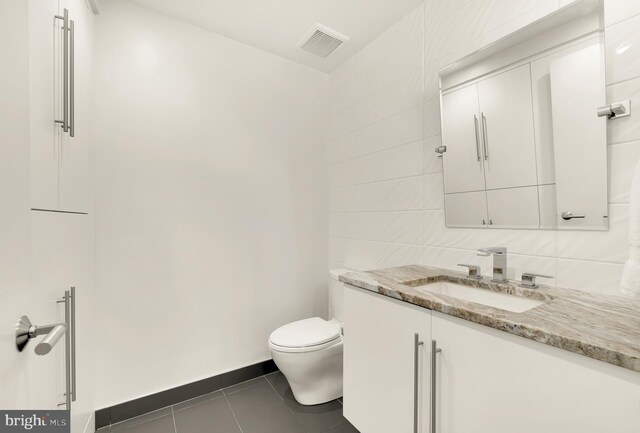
(529,279)
(474,271)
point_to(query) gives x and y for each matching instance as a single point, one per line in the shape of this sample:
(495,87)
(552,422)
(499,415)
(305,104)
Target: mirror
(522,143)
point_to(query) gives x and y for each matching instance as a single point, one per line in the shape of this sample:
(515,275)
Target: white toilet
(309,352)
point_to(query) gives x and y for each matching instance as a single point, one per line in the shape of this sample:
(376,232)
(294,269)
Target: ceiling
(276,26)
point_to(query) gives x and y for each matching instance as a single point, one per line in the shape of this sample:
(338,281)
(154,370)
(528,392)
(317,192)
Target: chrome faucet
(499,262)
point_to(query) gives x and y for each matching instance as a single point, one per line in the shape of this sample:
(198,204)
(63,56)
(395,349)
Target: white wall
(211,206)
(386,196)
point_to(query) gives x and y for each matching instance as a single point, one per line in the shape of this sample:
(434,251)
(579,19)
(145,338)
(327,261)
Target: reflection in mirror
(525,147)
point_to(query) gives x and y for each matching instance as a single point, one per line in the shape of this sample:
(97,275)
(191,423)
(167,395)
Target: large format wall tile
(394,86)
(623,50)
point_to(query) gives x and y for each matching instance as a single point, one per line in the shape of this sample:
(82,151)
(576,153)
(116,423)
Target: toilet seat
(305,335)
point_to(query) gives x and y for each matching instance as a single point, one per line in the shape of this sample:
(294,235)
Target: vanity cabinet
(489,381)
(487,126)
(59,162)
(485,380)
(379,356)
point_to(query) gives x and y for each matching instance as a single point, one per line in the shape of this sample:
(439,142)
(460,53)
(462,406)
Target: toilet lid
(305,333)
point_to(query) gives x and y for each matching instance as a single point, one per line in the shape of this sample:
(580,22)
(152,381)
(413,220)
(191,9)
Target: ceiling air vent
(321,40)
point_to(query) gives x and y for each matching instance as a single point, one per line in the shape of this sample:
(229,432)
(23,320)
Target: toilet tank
(336,294)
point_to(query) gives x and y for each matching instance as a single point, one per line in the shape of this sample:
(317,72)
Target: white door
(462,162)
(489,381)
(45,86)
(466,209)
(74,151)
(506,113)
(61,257)
(379,337)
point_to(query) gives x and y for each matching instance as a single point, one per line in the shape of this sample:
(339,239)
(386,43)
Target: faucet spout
(499,262)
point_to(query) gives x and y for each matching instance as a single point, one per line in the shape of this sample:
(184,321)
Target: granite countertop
(603,327)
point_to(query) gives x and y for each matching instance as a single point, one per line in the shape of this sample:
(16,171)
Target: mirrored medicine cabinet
(522,143)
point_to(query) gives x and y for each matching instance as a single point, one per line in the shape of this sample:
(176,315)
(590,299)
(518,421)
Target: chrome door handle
(416,379)
(434,351)
(72,322)
(67,348)
(475,122)
(65,71)
(69,301)
(568,215)
(72,102)
(68,85)
(484,137)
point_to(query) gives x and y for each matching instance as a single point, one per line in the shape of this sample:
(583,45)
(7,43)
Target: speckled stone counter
(603,327)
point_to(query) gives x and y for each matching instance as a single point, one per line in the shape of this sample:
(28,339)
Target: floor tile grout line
(232,412)
(240,390)
(173,416)
(286,405)
(277,393)
(140,416)
(202,401)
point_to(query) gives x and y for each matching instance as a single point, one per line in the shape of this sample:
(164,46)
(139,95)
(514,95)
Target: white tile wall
(386,124)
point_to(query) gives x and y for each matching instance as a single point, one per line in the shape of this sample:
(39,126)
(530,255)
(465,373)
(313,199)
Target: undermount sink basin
(517,304)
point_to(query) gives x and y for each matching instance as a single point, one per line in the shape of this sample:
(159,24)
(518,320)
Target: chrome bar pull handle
(67,342)
(416,378)
(568,215)
(65,73)
(72,102)
(484,137)
(72,325)
(434,351)
(475,122)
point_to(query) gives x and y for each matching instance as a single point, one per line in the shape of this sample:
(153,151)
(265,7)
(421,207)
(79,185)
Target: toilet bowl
(308,352)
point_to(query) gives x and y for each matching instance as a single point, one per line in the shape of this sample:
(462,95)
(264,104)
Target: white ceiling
(277,25)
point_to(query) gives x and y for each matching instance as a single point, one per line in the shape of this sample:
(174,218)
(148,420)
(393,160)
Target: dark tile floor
(262,405)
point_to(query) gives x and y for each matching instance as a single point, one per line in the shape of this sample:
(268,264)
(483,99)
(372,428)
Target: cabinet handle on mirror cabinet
(568,215)
(475,122)
(416,378)
(484,137)
(434,351)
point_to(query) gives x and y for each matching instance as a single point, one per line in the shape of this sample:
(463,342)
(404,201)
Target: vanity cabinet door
(462,162)
(489,381)
(379,363)
(506,112)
